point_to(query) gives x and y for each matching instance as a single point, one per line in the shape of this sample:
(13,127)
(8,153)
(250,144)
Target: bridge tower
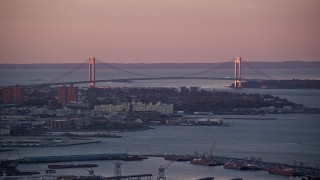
(237,72)
(91,71)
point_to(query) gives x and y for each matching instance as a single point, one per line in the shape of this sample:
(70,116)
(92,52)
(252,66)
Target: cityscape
(164,102)
(45,115)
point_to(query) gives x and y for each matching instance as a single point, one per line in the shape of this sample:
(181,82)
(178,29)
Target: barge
(63,166)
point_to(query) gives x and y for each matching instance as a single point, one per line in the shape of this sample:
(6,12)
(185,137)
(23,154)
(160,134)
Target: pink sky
(131,31)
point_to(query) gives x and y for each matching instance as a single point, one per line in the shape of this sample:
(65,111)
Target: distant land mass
(259,65)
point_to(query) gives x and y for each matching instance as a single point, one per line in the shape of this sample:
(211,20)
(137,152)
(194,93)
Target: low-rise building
(183,89)
(158,107)
(112,109)
(60,124)
(287,108)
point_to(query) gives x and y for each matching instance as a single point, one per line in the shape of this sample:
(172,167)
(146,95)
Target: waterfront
(290,137)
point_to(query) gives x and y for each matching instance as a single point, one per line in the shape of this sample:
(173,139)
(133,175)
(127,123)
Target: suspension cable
(68,72)
(258,71)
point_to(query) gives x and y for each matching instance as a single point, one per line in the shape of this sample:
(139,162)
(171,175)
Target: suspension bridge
(93,71)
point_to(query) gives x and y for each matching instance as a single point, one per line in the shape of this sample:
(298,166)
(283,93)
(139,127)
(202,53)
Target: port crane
(90,171)
(211,150)
(162,168)
(117,169)
(16,150)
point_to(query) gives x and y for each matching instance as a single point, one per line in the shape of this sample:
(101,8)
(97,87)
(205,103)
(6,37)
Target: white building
(158,107)
(112,109)
(136,107)
(139,107)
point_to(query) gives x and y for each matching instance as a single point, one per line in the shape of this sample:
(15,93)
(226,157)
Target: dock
(138,176)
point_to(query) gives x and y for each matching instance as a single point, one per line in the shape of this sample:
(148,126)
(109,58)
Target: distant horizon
(253,61)
(179,65)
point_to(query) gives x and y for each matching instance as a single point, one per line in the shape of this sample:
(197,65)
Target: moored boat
(205,162)
(174,157)
(284,171)
(133,158)
(25,173)
(62,166)
(236,166)
(202,162)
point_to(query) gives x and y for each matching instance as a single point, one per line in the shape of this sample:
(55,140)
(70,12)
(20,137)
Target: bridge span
(124,75)
(145,79)
(98,72)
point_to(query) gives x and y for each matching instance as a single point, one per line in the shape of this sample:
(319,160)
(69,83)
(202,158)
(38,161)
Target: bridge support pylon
(91,72)
(237,72)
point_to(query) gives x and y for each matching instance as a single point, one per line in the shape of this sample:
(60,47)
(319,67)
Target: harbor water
(291,137)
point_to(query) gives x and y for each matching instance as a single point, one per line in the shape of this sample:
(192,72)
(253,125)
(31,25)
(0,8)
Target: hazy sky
(129,31)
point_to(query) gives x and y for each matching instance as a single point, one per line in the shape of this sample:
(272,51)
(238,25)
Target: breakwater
(20,141)
(66,158)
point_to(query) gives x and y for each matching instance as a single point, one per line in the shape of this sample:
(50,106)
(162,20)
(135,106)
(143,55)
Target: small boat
(63,166)
(235,166)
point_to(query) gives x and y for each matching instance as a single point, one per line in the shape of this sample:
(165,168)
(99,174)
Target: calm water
(290,137)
